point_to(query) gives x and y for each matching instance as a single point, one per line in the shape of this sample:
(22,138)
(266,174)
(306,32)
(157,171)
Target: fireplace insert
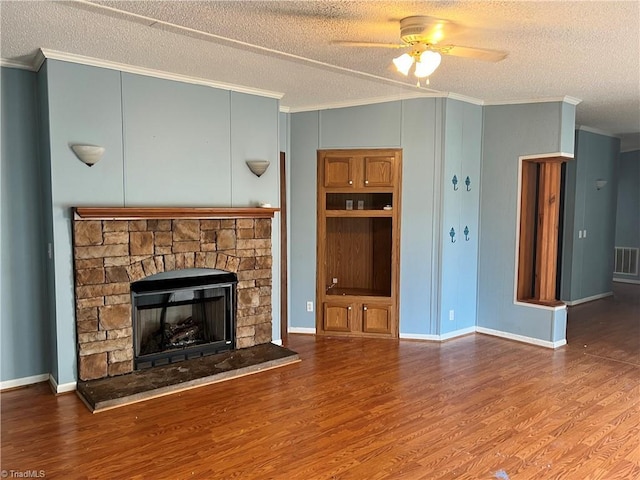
(183,314)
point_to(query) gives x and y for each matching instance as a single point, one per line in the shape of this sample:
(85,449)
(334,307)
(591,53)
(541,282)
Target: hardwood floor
(477,407)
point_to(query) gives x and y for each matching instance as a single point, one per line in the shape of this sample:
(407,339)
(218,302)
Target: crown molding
(433,94)
(362,101)
(149,72)
(565,99)
(596,131)
(38,60)
(14,64)
(464,98)
(44,54)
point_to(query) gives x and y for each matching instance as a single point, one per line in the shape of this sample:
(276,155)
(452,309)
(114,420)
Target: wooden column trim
(527,226)
(539,227)
(547,237)
(140,213)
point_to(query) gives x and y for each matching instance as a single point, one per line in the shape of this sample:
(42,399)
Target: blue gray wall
(167,143)
(460,212)
(434,278)
(587,262)
(511,131)
(421,189)
(24,341)
(628,206)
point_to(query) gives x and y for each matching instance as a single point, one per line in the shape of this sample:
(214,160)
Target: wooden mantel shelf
(140,213)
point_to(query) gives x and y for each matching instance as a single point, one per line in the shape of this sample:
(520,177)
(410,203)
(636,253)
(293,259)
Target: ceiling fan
(423,35)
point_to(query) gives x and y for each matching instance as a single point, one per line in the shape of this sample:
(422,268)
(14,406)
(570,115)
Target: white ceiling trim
(363,101)
(565,99)
(409,96)
(13,64)
(123,67)
(464,98)
(44,53)
(596,131)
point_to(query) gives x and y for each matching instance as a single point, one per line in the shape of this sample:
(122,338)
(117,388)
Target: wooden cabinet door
(338,172)
(337,317)
(379,171)
(376,318)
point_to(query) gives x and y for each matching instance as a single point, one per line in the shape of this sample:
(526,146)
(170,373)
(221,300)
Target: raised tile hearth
(107,393)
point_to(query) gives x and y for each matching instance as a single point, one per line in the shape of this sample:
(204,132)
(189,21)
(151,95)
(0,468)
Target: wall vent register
(626,261)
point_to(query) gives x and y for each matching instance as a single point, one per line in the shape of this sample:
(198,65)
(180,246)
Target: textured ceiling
(583,49)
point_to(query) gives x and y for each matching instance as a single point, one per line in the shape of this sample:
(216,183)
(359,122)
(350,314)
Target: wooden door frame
(539,220)
(284,295)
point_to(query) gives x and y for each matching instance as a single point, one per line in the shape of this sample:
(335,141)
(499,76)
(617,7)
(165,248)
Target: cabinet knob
(366,182)
(364,308)
(348,308)
(350,182)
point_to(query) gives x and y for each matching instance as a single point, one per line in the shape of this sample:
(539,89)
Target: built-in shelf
(359,213)
(361,292)
(358,247)
(139,213)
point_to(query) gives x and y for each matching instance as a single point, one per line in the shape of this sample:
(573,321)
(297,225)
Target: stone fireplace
(115,247)
(182,314)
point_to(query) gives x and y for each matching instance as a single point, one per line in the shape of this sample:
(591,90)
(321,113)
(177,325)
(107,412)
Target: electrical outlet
(584,234)
(452,315)
(309,306)
(50,250)
(334,280)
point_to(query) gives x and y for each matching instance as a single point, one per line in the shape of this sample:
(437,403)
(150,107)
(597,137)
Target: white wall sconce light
(88,154)
(600,183)
(258,167)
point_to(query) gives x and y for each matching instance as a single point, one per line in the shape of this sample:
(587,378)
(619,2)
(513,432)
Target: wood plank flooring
(477,407)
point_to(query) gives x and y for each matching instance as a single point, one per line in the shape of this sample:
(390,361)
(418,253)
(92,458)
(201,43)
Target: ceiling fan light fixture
(427,64)
(403,63)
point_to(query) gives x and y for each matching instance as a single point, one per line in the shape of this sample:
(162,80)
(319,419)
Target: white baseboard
(420,336)
(521,338)
(305,330)
(437,338)
(588,299)
(21,382)
(458,333)
(64,388)
(277,342)
(625,280)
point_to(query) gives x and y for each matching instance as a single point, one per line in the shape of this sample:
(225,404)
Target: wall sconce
(258,167)
(89,154)
(600,183)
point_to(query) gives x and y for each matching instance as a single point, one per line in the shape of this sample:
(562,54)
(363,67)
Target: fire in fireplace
(183,314)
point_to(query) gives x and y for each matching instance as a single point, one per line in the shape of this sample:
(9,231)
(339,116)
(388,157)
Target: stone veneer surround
(109,254)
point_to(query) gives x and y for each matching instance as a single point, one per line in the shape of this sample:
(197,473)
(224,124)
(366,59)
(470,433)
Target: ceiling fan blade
(349,43)
(471,52)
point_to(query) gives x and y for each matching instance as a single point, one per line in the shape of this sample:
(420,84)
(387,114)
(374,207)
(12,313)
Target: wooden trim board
(139,213)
